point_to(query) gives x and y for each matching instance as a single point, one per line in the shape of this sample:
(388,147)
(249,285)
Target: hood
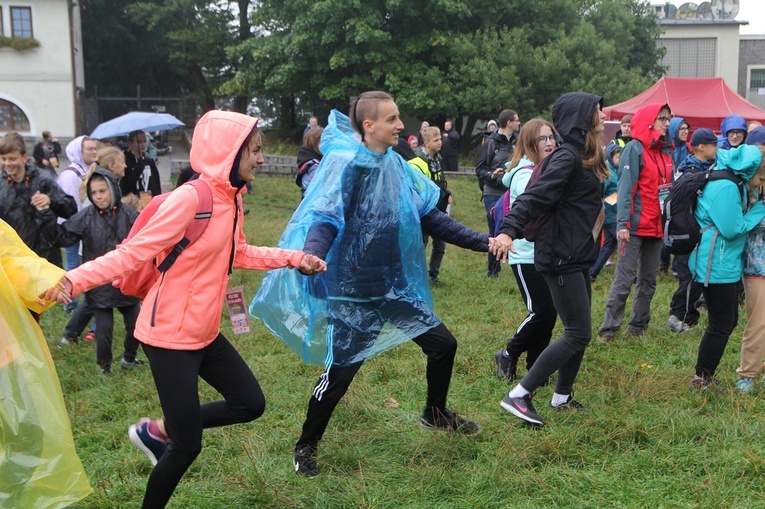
(641,125)
(756,136)
(611,149)
(218,138)
(403,149)
(674,128)
(114,188)
(305,154)
(74,154)
(732,122)
(694,163)
(572,115)
(743,161)
(523,162)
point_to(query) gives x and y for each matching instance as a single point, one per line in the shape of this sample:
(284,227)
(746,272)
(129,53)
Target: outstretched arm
(441,226)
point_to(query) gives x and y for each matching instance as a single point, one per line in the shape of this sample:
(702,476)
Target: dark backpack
(502,207)
(534,226)
(138,283)
(682,232)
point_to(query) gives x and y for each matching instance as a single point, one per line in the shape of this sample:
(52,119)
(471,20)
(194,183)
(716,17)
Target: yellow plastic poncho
(39,467)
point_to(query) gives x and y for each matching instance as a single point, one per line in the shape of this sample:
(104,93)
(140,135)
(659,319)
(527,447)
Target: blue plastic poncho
(39,467)
(375,293)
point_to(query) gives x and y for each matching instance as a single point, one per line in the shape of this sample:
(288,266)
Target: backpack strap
(197,226)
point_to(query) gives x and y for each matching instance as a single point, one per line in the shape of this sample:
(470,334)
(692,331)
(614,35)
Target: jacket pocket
(186,305)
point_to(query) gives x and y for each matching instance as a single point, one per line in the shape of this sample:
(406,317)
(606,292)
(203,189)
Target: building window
(1,23)
(690,58)
(21,22)
(12,118)
(757,78)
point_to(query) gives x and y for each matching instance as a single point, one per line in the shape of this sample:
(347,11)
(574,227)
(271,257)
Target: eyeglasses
(684,129)
(663,119)
(736,132)
(545,139)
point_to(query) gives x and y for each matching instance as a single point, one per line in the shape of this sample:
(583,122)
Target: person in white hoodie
(536,141)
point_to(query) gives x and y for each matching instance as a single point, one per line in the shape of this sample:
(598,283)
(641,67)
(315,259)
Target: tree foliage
(450,57)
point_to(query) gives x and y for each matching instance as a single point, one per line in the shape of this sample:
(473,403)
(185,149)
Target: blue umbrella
(135,121)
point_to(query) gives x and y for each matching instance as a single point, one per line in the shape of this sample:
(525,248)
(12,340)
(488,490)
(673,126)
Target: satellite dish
(688,10)
(725,9)
(669,11)
(705,10)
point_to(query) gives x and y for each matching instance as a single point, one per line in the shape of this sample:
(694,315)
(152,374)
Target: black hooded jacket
(496,151)
(100,232)
(565,243)
(35,227)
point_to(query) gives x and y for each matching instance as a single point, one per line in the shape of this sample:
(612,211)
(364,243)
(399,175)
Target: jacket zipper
(233,238)
(156,299)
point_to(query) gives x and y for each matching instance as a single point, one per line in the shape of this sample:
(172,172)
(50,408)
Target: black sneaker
(304,460)
(706,383)
(442,419)
(506,365)
(571,404)
(522,408)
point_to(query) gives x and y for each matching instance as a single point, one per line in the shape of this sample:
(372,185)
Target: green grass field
(645,440)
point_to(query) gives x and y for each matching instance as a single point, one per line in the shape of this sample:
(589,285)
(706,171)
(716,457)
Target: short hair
(430,132)
(133,135)
(626,119)
(365,108)
(312,139)
(506,116)
(12,142)
(46,135)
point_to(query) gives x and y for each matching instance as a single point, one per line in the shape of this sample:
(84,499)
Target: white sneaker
(66,343)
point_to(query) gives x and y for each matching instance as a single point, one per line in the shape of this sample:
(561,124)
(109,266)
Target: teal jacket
(719,257)
(516,180)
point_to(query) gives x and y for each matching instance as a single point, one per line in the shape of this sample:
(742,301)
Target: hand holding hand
(61,293)
(311,264)
(500,245)
(40,201)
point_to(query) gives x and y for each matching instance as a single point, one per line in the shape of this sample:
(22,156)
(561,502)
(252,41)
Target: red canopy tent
(703,102)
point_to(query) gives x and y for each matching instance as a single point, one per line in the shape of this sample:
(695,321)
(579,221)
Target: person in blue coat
(718,262)
(679,132)
(733,129)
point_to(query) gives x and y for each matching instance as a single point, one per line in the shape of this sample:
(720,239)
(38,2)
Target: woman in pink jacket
(179,323)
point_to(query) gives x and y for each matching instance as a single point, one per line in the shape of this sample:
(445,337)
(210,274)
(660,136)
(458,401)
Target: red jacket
(182,311)
(645,165)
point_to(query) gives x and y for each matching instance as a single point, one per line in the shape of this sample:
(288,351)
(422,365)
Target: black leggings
(176,375)
(572,295)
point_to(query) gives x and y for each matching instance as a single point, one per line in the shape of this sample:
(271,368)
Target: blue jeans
(72,261)
(608,248)
(494,265)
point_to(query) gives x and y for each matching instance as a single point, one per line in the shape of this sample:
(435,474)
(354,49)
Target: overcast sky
(752,11)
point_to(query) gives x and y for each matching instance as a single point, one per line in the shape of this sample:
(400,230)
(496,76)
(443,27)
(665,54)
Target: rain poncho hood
(743,160)
(375,264)
(611,150)
(728,124)
(641,126)
(39,467)
(74,154)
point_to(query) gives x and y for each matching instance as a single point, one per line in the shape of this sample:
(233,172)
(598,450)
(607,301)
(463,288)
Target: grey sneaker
(676,325)
(522,409)
(67,342)
(130,365)
(506,365)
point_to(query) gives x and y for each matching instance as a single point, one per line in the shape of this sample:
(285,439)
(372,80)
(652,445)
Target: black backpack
(682,233)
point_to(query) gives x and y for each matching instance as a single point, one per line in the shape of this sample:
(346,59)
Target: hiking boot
(676,325)
(570,405)
(154,447)
(632,331)
(506,365)
(130,365)
(67,342)
(703,383)
(522,408)
(606,335)
(442,419)
(304,460)
(745,385)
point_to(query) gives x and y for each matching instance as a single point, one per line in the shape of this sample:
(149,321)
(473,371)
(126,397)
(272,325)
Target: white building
(39,87)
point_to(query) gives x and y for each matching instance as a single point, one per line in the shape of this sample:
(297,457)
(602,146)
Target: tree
(450,57)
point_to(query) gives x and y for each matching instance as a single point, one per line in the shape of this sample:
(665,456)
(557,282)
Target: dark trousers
(606,250)
(534,333)
(572,295)
(438,344)
(79,320)
(494,265)
(436,255)
(176,375)
(722,311)
(104,332)
(683,303)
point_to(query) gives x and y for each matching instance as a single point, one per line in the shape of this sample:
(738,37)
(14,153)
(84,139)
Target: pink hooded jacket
(182,311)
